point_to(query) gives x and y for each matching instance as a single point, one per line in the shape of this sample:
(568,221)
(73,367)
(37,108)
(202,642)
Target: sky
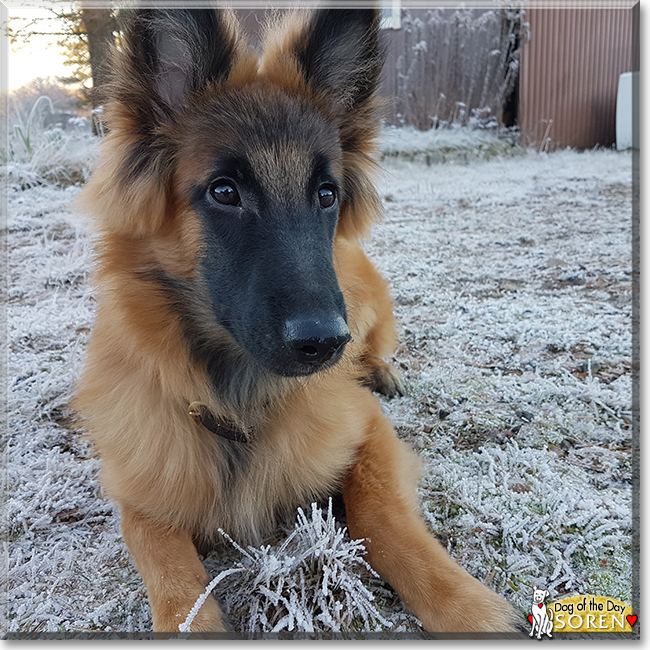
(41,57)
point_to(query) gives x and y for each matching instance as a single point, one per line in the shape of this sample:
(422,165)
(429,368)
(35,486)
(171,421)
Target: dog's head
(240,172)
(539,596)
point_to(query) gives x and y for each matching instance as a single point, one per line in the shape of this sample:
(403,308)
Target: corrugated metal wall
(569,75)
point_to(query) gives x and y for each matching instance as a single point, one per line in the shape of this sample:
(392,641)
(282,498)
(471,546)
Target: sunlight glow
(40,57)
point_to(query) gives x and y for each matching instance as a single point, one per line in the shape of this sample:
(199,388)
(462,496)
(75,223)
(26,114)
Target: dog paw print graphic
(541,617)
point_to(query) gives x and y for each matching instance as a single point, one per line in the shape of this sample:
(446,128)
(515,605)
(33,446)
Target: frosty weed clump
(34,154)
(313,581)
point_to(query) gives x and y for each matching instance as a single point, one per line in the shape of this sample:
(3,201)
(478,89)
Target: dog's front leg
(172,572)
(380,501)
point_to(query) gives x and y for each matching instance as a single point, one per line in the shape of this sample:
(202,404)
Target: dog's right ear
(166,56)
(166,59)
(336,52)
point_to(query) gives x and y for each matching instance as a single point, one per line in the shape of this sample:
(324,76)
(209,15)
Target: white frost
(511,279)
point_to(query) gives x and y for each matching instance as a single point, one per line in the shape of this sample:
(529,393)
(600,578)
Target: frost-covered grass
(511,281)
(453,144)
(31,154)
(513,297)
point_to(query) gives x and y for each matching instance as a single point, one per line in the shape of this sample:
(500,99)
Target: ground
(511,276)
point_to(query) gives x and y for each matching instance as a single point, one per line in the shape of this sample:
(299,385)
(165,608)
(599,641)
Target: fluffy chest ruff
(155,456)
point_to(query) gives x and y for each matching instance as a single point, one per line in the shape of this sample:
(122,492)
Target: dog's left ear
(340,56)
(169,55)
(189,52)
(335,51)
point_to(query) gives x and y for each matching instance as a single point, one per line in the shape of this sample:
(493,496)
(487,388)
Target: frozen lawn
(511,280)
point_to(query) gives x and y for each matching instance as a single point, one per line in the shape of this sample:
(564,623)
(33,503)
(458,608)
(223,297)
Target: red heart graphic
(540,605)
(530,618)
(631,619)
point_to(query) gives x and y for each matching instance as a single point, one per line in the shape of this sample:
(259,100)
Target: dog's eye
(225,193)
(326,196)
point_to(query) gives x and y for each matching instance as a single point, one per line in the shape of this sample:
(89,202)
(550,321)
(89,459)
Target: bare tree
(100,35)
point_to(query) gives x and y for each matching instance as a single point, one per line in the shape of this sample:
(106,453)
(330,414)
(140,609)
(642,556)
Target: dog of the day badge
(585,613)
(591,614)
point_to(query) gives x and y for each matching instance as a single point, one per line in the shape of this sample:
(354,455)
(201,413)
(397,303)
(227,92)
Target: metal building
(570,68)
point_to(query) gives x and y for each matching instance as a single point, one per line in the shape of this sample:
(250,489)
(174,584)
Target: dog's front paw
(169,614)
(384,378)
(470,607)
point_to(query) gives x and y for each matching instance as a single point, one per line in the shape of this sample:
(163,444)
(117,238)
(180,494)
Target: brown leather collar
(201,414)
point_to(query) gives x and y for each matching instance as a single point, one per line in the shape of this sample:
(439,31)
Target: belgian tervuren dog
(240,329)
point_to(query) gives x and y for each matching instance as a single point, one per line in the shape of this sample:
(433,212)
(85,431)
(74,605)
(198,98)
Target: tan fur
(380,505)
(277,63)
(313,436)
(174,589)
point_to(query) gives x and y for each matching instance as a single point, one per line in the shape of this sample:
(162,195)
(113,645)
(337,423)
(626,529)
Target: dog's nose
(315,340)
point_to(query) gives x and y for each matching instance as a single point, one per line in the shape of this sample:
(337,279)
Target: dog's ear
(166,59)
(335,51)
(169,55)
(339,54)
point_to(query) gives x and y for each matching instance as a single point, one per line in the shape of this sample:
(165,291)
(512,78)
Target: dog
(240,329)
(540,613)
